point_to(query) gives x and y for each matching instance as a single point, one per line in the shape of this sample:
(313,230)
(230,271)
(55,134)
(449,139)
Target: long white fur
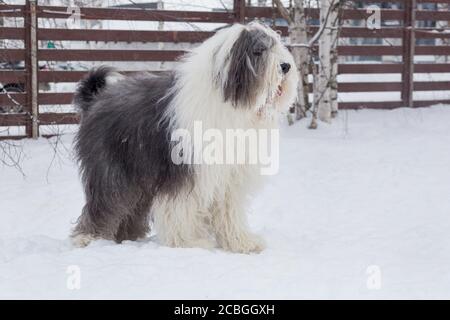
(213,212)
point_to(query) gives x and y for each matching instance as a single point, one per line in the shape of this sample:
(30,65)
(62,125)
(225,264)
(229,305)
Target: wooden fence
(31,76)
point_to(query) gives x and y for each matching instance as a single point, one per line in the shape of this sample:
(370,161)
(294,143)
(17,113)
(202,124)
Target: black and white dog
(235,79)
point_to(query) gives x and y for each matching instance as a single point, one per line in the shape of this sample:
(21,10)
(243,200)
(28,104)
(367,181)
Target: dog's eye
(261,46)
(259,51)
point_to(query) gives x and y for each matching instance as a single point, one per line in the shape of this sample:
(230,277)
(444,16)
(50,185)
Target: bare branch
(11,154)
(316,36)
(283,11)
(322,27)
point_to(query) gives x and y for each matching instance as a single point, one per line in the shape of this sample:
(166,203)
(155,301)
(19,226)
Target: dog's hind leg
(181,221)
(95,224)
(137,225)
(101,218)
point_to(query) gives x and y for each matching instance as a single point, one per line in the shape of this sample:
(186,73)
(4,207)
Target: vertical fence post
(409,44)
(239,10)
(31,67)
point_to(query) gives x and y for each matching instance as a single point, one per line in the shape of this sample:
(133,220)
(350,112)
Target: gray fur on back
(123,150)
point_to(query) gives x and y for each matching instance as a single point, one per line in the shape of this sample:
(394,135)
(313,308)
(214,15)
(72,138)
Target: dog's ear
(247,60)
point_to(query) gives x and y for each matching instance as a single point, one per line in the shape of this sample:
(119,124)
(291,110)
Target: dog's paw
(81,240)
(204,243)
(248,243)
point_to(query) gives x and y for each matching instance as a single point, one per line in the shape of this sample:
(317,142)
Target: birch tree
(324,111)
(298,34)
(325,101)
(336,24)
(443,26)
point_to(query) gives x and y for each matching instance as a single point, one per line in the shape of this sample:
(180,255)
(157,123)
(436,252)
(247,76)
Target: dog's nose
(285,67)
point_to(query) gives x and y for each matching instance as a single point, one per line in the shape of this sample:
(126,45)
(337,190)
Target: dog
(241,77)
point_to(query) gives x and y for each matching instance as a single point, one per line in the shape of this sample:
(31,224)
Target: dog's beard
(274,95)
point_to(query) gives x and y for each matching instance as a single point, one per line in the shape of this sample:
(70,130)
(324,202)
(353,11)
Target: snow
(369,192)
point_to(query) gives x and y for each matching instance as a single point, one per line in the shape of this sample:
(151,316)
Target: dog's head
(253,69)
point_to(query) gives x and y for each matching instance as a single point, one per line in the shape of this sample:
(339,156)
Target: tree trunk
(335,24)
(443,25)
(323,87)
(315,106)
(298,34)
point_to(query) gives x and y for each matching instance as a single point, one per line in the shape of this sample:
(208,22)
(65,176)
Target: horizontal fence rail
(404,31)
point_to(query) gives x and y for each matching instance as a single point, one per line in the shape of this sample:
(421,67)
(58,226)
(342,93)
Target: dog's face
(254,70)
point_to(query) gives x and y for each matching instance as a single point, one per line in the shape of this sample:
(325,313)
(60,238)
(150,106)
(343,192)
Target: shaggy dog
(237,79)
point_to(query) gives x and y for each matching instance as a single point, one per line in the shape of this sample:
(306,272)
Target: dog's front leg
(230,225)
(180,221)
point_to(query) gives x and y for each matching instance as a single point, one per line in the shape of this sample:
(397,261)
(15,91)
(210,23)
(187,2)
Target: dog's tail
(89,87)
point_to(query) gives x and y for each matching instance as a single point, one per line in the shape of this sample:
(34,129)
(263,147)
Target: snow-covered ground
(358,205)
